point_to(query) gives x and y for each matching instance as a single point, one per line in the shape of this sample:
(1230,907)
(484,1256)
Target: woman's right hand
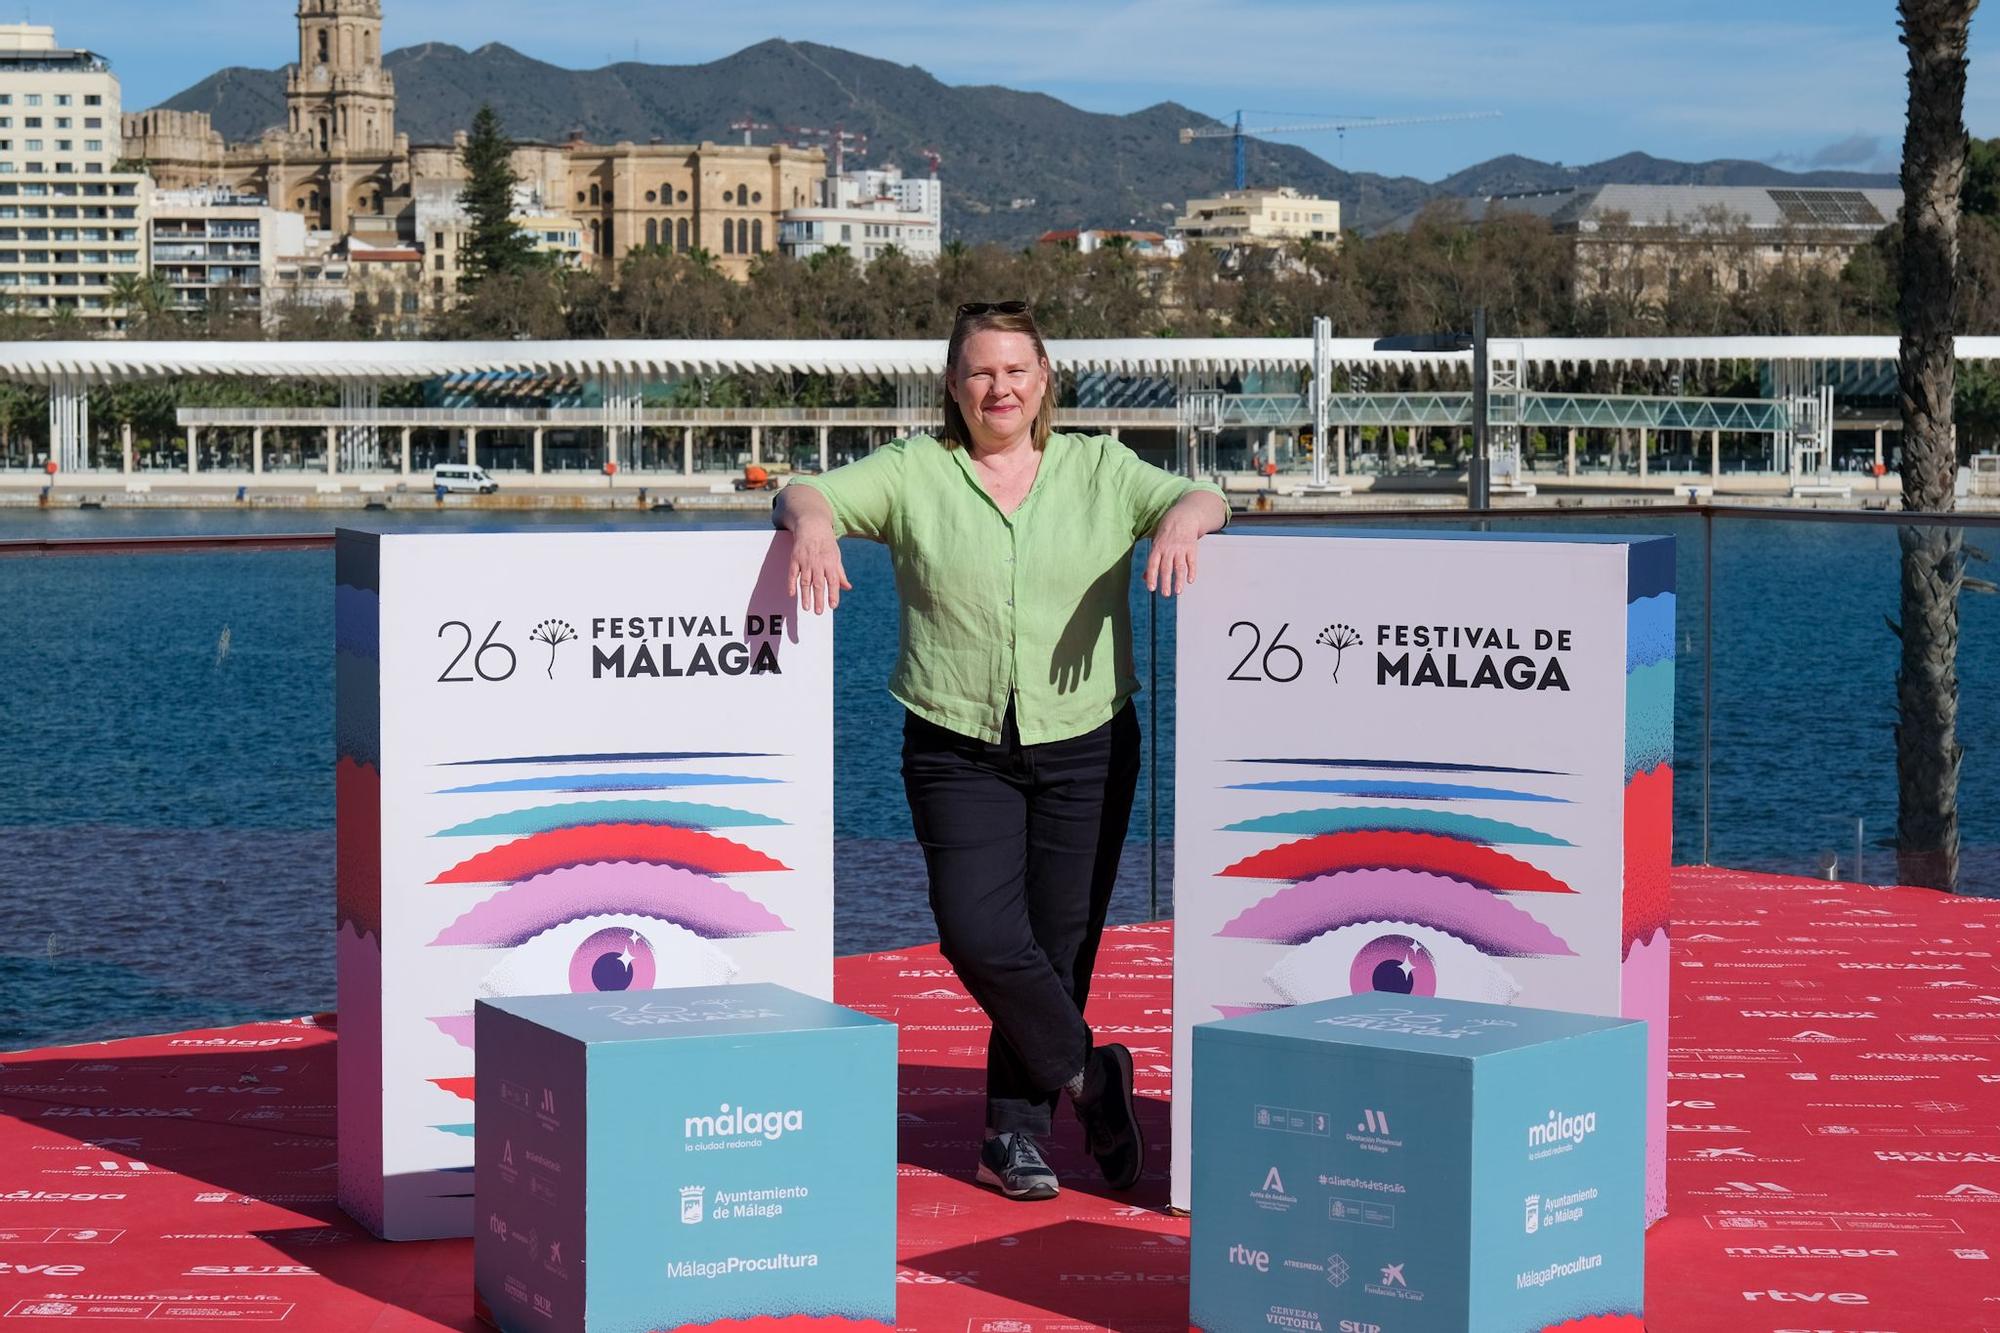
(817,576)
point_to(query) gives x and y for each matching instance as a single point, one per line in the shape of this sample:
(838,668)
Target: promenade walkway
(1835,1134)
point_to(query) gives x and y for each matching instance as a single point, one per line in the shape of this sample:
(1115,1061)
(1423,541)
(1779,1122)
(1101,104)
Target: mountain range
(1014,163)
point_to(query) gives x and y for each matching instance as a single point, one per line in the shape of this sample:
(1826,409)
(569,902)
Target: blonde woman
(1012,547)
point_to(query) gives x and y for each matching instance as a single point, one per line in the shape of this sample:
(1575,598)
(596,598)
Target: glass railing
(167,823)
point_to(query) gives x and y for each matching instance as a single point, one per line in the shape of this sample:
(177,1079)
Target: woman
(1012,549)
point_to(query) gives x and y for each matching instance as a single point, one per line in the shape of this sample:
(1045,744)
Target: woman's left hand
(1170,566)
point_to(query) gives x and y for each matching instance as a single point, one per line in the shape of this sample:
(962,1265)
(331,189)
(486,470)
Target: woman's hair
(985,318)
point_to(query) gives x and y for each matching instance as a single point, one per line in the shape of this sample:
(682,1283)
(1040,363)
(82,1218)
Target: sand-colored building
(338,161)
(1259,219)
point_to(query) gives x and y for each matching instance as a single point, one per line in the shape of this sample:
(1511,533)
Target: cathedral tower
(338,96)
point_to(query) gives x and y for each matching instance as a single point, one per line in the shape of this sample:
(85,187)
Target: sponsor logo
(1971,1253)
(1803,1252)
(41,1270)
(1372,1134)
(54,1196)
(736,1263)
(692,1200)
(1560,1133)
(1393,1285)
(1553,1210)
(1294,1317)
(235,1042)
(1361,1212)
(1359,1326)
(737,1126)
(1938,1158)
(1817,1014)
(1271,1197)
(1290,1120)
(659,1014)
(1541,1277)
(1807,1297)
(1242,1256)
(1901,967)
(1416,1023)
(250,1270)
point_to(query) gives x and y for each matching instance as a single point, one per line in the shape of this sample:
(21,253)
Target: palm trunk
(1934,147)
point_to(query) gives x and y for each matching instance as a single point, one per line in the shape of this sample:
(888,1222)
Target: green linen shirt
(1035,605)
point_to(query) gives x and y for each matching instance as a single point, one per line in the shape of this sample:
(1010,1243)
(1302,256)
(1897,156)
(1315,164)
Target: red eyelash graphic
(539,853)
(1469,862)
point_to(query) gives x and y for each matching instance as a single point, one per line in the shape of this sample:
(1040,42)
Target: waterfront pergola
(1196,371)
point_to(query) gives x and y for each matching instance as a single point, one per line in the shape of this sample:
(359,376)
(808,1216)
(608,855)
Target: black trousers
(1022,844)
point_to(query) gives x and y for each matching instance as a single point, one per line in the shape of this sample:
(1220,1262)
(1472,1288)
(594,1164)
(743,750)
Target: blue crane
(1339,125)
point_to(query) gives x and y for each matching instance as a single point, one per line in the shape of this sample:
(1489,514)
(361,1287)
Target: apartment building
(213,247)
(867,214)
(72,226)
(1259,219)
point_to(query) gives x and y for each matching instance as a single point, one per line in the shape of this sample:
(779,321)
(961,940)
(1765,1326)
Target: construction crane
(1340,126)
(839,139)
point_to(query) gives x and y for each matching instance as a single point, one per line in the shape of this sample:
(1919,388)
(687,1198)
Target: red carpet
(1836,1160)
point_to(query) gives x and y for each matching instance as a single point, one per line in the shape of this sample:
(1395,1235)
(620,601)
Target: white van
(464,477)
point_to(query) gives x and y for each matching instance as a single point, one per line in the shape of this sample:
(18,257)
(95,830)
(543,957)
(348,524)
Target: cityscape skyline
(1705,86)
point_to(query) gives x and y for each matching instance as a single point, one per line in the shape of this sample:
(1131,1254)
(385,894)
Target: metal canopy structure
(69,370)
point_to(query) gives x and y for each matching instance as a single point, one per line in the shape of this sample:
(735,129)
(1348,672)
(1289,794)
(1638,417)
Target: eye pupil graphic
(610,972)
(614,959)
(1394,964)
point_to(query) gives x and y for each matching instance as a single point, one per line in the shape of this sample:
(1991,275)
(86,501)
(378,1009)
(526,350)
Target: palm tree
(1934,151)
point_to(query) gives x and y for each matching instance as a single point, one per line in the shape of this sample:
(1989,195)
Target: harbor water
(166,823)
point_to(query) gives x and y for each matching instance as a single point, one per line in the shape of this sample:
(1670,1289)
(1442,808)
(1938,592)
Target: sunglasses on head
(972,308)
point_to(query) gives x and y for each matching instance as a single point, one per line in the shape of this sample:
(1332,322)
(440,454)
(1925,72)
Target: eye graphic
(1399,959)
(539,853)
(1470,862)
(574,814)
(1438,931)
(1398,789)
(606,782)
(516,914)
(609,953)
(1388,819)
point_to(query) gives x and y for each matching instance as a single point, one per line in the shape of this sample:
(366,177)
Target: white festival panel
(1428,766)
(566,761)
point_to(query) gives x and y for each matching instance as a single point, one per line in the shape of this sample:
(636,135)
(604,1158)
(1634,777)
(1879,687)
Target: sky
(1798,83)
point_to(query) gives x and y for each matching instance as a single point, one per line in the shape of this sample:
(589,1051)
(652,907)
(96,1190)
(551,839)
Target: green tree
(1933,558)
(495,244)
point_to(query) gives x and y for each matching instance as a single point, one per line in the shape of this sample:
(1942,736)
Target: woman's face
(998,384)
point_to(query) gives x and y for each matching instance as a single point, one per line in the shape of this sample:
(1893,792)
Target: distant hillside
(1081,168)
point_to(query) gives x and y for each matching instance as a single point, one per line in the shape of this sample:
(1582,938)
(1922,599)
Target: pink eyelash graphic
(704,905)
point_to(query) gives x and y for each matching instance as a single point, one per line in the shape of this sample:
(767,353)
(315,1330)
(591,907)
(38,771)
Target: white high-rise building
(71,223)
(868,213)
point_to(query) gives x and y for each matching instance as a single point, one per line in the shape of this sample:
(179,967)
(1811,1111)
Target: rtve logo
(1808,1297)
(1242,1256)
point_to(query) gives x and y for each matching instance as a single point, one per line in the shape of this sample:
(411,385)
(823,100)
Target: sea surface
(166,761)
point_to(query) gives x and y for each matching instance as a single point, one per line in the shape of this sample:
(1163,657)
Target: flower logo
(1339,638)
(553,632)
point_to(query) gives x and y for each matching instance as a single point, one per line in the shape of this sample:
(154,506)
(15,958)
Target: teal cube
(1389,1164)
(655,1159)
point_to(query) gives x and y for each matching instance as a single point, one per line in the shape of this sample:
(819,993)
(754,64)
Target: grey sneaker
(1012,1164)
